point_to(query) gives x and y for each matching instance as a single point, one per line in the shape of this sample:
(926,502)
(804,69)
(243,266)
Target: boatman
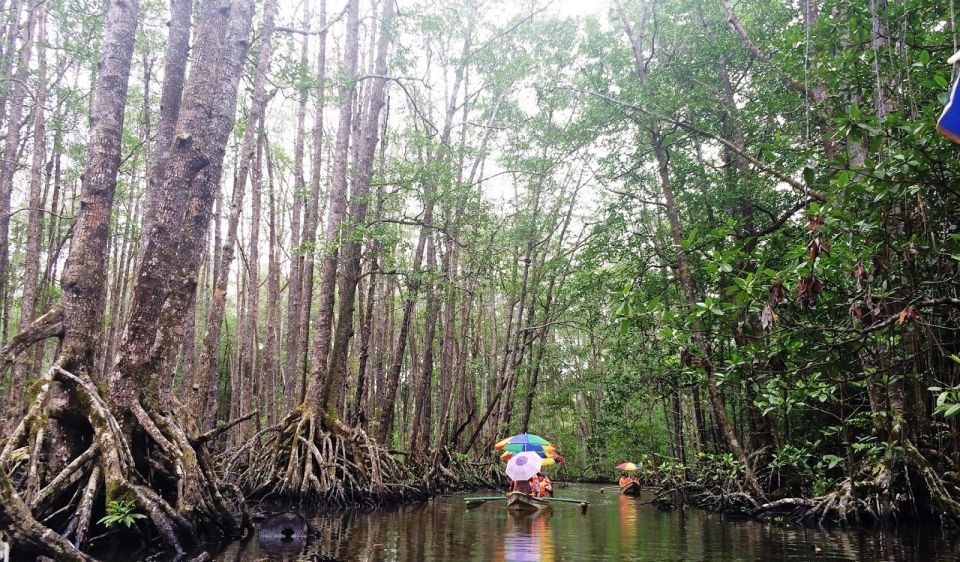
(624,480)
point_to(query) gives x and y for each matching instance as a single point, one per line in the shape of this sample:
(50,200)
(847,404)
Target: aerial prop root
(106,471)
(882,493)
(308,455)
(447,470)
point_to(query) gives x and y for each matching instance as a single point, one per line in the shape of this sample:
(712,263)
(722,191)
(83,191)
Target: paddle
(581,502)
(473,502)
(601,490)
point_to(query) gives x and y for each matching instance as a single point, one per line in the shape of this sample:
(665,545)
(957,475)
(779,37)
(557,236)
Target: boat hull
(631,489)
(518,501)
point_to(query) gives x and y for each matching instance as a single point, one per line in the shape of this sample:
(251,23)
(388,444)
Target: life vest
(546,487)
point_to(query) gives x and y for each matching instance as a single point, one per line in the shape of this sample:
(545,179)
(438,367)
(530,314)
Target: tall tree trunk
(84,281)
(248,354)
(205,375)
(174,70)
(318,389)
(270,345)
(359,202)
(11,143)
(312,216)
(291,369)
(31,261)
(11,27)
(359,411)
(423,404)
(185,178)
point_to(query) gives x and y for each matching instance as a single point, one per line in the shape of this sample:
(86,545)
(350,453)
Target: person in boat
(635,478)
(546,486)
(518,486)
(623,480)
(534,486)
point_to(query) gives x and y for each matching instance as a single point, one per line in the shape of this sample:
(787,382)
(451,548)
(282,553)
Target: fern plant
(121,512)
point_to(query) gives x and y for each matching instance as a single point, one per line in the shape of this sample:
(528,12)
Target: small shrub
(122,512)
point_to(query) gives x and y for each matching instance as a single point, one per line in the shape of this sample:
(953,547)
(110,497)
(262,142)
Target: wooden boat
(631,489)
(519,501)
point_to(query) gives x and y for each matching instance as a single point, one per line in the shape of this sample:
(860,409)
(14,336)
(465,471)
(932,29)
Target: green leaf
(952,411)
(854,111)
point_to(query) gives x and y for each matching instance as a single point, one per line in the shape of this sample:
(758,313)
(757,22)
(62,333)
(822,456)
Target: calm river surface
(615,527)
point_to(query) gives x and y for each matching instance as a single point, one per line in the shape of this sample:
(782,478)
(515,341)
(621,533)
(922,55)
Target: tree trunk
(174,70)
(23,368)
(423,405)
(84,280)
(205,375)
(318,389)
(291,363)
(8,166)
(185,178)
(248,357)
(270,345)
(358,209)
(312,218)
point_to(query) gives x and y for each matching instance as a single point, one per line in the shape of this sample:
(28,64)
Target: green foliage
(121,512)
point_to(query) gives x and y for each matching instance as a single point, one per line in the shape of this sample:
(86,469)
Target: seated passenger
(546,486)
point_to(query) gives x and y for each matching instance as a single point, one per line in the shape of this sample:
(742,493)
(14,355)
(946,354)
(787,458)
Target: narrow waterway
(614,527)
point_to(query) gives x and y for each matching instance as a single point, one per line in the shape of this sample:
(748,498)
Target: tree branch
(797,185)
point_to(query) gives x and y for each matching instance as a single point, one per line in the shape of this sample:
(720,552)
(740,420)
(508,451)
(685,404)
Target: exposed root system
(150,462)
(909,488)
(307,456)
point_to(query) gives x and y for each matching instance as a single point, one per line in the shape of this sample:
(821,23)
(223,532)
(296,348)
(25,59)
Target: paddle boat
(522,502)
(631,489)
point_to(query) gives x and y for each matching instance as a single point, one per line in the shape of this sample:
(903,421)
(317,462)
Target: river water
(614,527)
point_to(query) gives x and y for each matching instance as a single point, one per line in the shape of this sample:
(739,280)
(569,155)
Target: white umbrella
(524,466)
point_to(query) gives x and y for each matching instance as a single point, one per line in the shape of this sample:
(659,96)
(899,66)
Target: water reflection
(528,537)
(627,509)
(614,528)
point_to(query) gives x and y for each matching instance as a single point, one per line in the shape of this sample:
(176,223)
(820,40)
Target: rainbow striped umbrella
(627,466)
(523,443)
(545,452)
(556,459)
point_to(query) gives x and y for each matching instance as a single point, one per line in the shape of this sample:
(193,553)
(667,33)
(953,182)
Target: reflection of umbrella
(524,466)
(628,466)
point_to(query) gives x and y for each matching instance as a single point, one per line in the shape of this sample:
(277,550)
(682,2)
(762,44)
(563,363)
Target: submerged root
(171,481)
